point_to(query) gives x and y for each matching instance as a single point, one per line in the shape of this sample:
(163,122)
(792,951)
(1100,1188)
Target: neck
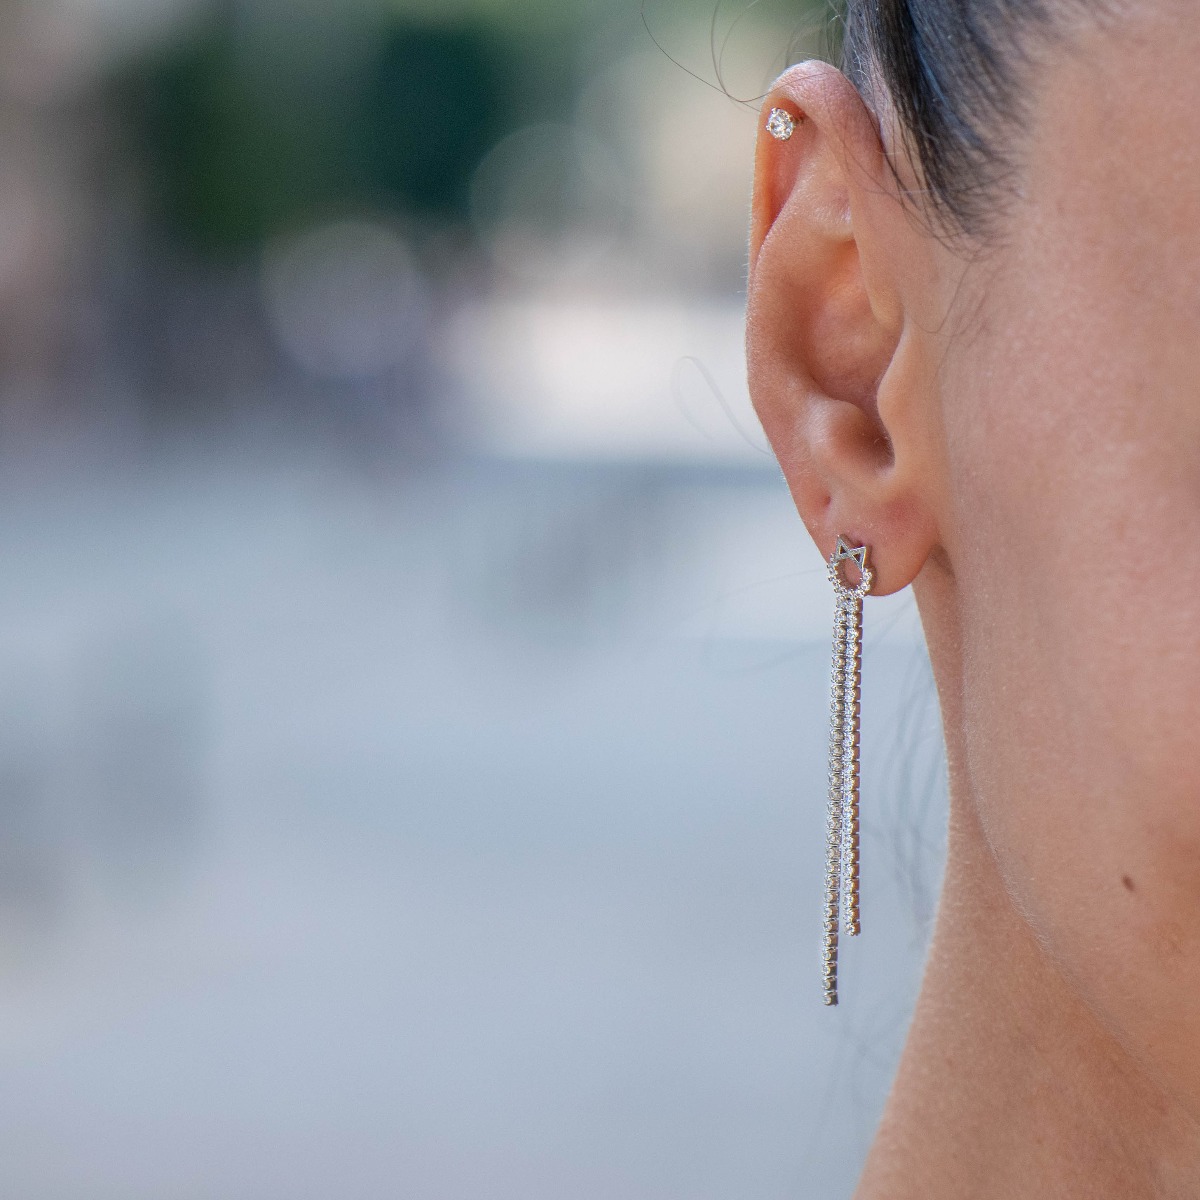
(1009,1086)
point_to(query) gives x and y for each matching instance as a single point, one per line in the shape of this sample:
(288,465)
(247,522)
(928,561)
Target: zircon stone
(781,124)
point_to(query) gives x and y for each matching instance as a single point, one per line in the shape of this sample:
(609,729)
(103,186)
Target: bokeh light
(346,300)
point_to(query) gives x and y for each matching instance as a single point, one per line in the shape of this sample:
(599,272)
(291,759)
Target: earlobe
(826,340)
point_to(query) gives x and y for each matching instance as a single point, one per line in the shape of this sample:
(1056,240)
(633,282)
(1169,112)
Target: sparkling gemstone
(781,124)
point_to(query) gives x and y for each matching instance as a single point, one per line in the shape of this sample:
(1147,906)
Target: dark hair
(954,71)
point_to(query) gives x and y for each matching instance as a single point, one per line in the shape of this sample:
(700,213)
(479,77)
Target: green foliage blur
(268,114)
(247,128)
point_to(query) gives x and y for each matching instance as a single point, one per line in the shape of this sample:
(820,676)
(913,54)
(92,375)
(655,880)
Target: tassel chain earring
(845,698)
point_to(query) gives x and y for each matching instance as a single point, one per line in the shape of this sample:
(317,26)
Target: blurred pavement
(449,835)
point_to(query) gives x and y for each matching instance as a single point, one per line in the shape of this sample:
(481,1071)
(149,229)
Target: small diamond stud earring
(781,124)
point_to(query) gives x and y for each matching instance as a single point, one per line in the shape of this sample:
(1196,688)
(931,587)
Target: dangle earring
(845,698)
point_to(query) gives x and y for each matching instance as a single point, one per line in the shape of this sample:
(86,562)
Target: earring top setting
(781,124)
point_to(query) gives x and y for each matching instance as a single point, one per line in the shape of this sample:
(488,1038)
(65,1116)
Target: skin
(1014,430)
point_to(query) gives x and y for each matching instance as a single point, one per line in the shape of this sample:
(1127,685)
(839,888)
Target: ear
(838,373)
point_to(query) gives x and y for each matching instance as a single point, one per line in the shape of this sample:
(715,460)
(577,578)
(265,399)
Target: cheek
(1077,477)
(1073,434)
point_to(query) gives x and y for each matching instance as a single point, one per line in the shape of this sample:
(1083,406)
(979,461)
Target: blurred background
(412,669)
